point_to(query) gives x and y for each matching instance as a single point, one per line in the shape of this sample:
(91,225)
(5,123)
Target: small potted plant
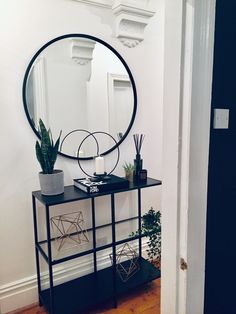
(129,171)
(151,228)
(51,181)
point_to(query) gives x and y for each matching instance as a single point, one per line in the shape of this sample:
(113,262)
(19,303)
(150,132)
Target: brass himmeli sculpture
(69,230)
(126,262)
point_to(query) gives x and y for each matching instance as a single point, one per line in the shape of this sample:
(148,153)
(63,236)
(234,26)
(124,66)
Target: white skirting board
(24,292)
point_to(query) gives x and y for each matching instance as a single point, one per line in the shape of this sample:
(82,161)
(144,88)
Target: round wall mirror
(79,84)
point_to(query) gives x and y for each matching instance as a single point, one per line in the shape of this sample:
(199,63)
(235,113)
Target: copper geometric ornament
(68,230)
(126,262)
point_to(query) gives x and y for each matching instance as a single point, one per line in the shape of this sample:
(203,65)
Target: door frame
(188,69)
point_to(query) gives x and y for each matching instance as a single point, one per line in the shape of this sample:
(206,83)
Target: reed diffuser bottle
(138,162)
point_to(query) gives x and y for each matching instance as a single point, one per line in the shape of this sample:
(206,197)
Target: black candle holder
(100,177)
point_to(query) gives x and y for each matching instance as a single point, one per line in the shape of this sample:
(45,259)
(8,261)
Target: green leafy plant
(151,228)
(46,151)
(128,167)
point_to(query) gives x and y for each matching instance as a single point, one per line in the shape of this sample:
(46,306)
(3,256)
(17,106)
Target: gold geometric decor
(68,230)
(126,262)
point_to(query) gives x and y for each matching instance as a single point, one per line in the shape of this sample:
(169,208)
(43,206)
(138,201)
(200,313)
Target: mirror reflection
(79,83)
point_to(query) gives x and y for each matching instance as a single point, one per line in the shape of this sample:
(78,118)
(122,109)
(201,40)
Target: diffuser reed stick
(138,142)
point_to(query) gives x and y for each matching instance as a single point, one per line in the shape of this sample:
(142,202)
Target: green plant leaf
(47,152)
(151,228)
(39,156)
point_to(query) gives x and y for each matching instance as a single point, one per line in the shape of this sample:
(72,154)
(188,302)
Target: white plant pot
(52,184)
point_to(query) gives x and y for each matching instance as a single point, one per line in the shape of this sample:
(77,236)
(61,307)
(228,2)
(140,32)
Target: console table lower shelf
(74,296)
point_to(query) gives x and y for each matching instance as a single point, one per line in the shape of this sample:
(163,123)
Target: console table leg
(94,235)
(36,250)
(50,260)
(113,249)
(140,221)
(115,303)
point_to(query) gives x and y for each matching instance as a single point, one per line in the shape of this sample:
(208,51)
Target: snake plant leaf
(45,139)
(39,156)
(54,151)
(47,152)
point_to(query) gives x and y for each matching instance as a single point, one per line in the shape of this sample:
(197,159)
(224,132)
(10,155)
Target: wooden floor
(145,300)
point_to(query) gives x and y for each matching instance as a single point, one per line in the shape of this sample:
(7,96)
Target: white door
(189,40)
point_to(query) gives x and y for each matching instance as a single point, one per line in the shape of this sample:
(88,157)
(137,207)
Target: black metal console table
(74,296)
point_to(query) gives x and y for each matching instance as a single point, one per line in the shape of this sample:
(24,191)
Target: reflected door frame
(40,99)
(111,79)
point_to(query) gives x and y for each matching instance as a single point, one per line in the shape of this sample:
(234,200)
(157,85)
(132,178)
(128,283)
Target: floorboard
(145,300)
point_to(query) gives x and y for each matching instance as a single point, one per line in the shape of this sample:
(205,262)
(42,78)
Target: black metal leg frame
(75,295)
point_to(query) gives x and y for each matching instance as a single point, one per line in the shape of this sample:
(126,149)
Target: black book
(114,183)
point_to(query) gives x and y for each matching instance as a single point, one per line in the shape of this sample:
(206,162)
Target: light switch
(221,119)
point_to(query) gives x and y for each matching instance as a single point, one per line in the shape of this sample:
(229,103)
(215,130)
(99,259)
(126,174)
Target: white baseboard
(21,293)
(24,292)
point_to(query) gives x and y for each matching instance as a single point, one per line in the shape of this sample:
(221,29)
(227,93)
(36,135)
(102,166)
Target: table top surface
(72,193)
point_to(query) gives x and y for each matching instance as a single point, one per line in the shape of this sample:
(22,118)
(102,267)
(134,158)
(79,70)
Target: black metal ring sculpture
(80,130)
(92,134)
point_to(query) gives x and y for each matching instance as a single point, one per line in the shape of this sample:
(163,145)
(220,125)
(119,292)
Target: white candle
(99,165)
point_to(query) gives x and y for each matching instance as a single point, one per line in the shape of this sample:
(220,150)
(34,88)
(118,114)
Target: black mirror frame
(123,62)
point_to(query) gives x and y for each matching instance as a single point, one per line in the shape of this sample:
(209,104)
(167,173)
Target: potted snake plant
(51,180)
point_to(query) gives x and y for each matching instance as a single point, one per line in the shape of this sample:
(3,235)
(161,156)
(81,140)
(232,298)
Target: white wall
(24,27)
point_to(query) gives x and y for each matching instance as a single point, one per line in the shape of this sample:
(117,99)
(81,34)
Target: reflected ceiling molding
(131,18)
(82,50)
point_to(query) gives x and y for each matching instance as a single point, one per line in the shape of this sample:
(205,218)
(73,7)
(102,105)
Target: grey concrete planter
(52,184)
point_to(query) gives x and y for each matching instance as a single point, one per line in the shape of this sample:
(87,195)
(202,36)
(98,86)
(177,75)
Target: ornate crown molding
(130,18)
(130,23)
(82,50)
